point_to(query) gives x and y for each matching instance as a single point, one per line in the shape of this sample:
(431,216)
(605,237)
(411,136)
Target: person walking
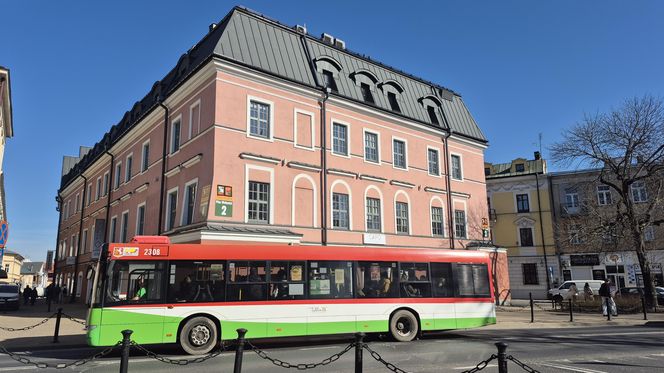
(587,292)
(608,305)
(56,293)
(63,294)
(33,296)
(26,294)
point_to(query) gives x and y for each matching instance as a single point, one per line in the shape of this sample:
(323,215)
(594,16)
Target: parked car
(560,293)
(637,292)
(9,296)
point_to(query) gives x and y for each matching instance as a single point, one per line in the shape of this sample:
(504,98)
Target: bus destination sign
(122,252)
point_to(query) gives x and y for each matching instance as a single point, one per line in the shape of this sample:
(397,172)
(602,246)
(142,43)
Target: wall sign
(223,208)
(584,260)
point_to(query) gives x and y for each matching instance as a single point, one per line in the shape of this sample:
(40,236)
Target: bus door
(443,289)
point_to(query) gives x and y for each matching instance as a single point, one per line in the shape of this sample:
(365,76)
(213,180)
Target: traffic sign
(4,233)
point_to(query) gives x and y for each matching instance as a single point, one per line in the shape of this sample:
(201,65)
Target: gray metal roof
(257,42)
(31,268)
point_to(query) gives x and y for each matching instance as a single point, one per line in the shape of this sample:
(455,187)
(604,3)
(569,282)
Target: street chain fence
(168,360)
(300,366)
(40,364)
(28,327)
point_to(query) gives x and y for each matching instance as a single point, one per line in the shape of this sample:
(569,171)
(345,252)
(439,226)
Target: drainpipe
(78,249)
(323,169)
(450,217)
(163,166)
(58,199)
(539,208)
(108,198)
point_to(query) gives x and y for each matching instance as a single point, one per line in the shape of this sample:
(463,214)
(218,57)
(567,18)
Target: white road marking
(317,348)
(13,369)
(603,334)
(573,369)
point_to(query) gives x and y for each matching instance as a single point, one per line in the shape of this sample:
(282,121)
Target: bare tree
(626,145)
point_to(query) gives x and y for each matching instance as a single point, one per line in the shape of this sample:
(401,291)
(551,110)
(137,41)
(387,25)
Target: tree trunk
(644,263)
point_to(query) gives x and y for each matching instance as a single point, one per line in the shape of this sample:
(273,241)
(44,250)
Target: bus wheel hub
(200,335)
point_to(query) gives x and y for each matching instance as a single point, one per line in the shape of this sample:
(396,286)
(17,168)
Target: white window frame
(382,208)
(128,174)
(84,241)
(605,193)
(465,214)
(124,226)
(88,195)
(185,195)
(314,201)
(578,200)
(405,154)
(518,236)
(429,147)
(460,167)
(77,202)
(107,183)
(171,142)
(364,146)
(410,213)
(99,188)
(313,129)
(263,101)
(516,202)
(272,206)
(111,227)
(191,117)
(138,208)
(642,188)
(167,219)
(117,180)
(649,233)
(92,238)
(348,138)
(442,206)
(143,154)
(350,204)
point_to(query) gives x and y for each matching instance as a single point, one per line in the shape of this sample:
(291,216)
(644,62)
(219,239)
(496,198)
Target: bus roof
(130,251)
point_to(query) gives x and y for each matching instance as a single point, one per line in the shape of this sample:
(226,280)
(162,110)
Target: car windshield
(8,289)
(659,290)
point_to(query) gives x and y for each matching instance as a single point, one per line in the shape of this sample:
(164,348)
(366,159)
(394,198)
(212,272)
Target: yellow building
(522,222)
(11,263)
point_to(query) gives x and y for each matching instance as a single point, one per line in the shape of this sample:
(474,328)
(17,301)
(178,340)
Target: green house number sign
(223,208)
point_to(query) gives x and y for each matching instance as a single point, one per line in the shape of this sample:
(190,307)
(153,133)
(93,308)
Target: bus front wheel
(198,336)
(404,326)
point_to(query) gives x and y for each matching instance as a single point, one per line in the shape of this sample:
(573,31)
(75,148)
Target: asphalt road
(584,350)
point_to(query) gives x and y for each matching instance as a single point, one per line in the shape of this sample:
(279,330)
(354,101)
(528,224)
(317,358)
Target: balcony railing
(571,210)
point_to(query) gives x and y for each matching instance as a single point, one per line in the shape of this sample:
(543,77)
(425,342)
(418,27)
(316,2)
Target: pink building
(263,133)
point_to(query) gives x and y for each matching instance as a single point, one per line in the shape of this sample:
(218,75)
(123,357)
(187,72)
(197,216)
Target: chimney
(327,39)
(339,43)
(301,29)
(538,156)
(212,27)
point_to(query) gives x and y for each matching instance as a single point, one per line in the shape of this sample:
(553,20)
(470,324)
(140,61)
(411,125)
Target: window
(574,234)
(259,119)
(128,167)
(259,202)
(526,237)
(437,221)
(456,167)
(373,214)
(414,281)
(247,281)
(604,195)
(340,139)
(433,159)
(366,93)
(145,157)
(371,147)
(123,226)
(114,223)
(522,204)
(572,200)
(401,215)
(88,195)
(199,281)
(84,244)
(487,171)
(175,136)
(519,167)
(394,104)
(443,281)
(106,183)
(432,115)
(140,220)
(135,282)
(639,192)
(376,279)
(649,233)
(77,202)
(340,216)
(530,276)
(286,280)
(399,153)
(194,119)
(117,176)
(460,223)
(189,203)
(330,280)
(98,193)
(328,80)
(172,203)
(472,280)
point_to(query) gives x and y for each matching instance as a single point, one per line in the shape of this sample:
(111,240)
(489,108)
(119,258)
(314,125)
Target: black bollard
(502,357)
(359,345)
(57,326)
(239,350)
(608,309)
(643,307)
(126,346)
(532,309)
(571,316)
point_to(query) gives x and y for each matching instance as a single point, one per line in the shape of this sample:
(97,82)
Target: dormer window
(487,171)
(366,93)
(432,115)
(394,104)
(328,80)
(519,167)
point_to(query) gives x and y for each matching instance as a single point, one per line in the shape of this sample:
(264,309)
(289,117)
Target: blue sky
(523,68)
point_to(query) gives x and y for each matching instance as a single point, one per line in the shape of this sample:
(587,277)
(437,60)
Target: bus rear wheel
(404,326)
(198,336)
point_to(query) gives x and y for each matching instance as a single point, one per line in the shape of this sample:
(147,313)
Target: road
(583,350)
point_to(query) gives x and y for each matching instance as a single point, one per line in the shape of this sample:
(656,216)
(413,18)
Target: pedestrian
(572,292)
(63,294)
(608,305)
(56,293)
(26,294)
(48,292)
(587,292)
(33,296)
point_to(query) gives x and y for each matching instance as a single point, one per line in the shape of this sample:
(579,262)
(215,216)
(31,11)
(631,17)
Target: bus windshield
(134,282)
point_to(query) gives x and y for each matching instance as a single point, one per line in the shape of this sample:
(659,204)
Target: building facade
(296,142)
(11,264)
(33,274)
(6,131)
(521,222)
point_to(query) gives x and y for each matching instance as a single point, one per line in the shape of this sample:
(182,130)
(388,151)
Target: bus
(198,294)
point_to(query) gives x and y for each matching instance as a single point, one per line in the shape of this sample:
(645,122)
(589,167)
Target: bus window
(441,274)
(286,280)
(414,280)
(196,282)
(330,280)
(247,281)
(472,280)
(135,282)
(376,279)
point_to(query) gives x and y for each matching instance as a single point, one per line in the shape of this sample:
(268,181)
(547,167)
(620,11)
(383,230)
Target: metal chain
(379,358)
(167,360)
(40,364)
(28,327)
(74,319)
(301,366)
(522,365)
(481,365)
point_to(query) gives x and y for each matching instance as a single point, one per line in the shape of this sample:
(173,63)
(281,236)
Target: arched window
(303,209)
(437,216)
(373,209)
(393,90)
(341,201)
(329,69)
(433,107)
(402,213)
